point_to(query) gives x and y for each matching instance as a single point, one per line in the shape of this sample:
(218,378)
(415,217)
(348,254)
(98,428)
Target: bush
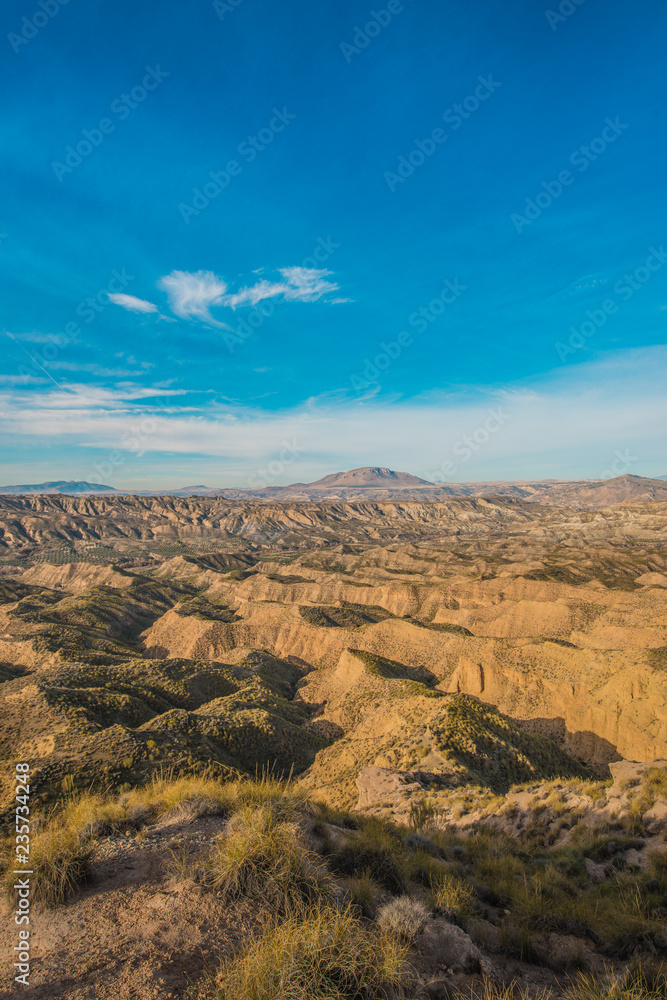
(322,954)
(404,917)
(616,987)
(60,851)
(377,851)
(263,857)
(60,862)
(363,893)
(453,896)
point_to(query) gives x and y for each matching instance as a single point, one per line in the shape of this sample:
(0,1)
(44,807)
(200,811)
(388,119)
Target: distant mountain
(383,485)
(69,486)
(364,478)
(603,492)
(376,484)
(192,491)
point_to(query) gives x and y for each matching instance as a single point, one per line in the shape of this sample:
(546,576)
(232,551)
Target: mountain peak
(66,486)
(371,476)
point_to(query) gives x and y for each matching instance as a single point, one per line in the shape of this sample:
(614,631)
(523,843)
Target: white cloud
(191,295)
(131,302)
(306,284)
(568,423)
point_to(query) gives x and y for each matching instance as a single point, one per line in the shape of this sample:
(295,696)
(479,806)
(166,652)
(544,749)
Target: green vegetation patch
(347,615)
(199,607)
(12,590)
(123,721)
(494,750)
(421,680)
(449,627)
(103,624)
(278,578)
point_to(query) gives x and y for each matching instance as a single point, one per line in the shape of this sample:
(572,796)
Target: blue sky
(248,242)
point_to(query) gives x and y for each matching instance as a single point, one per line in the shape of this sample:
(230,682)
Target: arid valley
(467,695)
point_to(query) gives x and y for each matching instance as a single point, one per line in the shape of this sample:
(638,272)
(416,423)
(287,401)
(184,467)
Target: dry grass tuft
(320,954)
(617,987)
(61,849)
(452,896)
(404,917)
(263,857)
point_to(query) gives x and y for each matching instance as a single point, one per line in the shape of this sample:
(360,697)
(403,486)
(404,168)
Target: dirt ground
(135,932)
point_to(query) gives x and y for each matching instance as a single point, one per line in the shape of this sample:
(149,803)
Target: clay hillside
(381,748)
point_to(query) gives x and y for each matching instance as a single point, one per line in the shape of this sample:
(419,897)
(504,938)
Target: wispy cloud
(584,285)
(299,284)
(193,294)
(557,426)
(132,303)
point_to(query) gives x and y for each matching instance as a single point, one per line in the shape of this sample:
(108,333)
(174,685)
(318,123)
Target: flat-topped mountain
(367,476)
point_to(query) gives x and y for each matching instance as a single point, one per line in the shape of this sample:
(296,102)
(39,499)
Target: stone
(448,945)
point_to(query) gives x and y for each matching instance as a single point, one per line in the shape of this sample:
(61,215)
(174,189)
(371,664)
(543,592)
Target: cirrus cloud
(192,294)
(131,302)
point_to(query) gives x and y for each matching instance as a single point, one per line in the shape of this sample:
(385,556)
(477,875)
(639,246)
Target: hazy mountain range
(382,484)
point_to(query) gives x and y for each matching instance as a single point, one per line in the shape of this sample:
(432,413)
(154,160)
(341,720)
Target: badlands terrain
(468,695)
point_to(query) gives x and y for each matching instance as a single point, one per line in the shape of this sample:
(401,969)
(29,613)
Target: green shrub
(363,893)
(375,850)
